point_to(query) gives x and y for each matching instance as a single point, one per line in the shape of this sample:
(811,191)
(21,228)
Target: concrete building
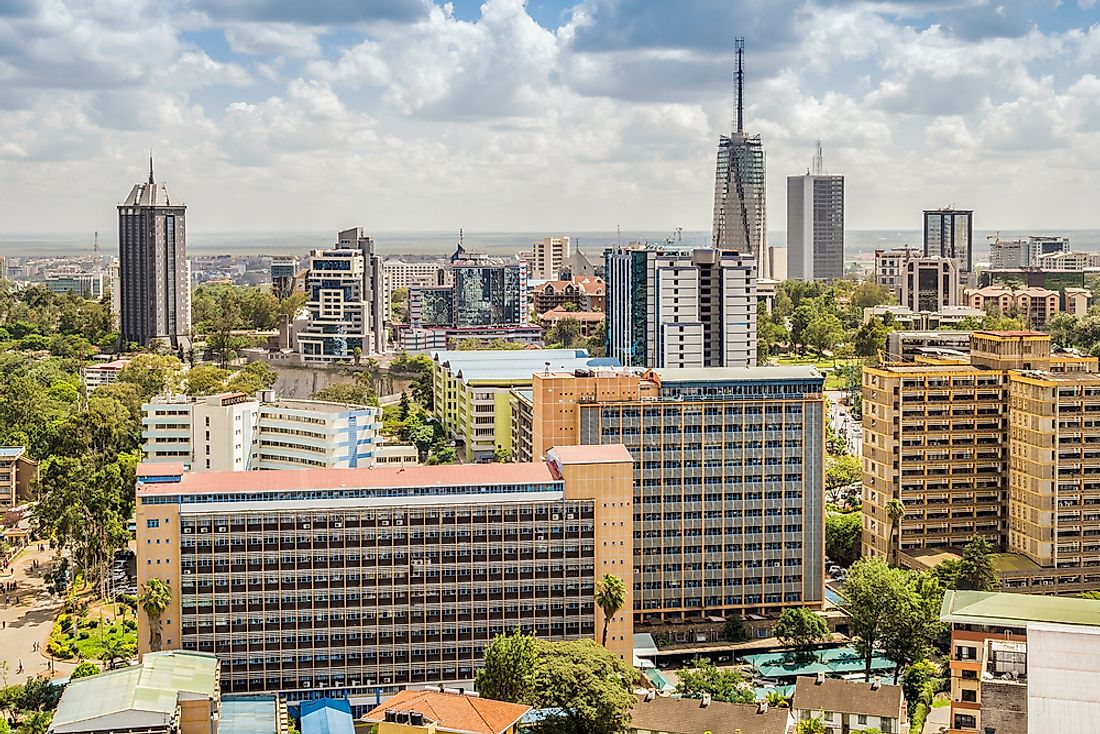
(345,304)
(777,263)
(549,256)
(930,283)
(489,292)
(1076,301)
(1036,306)
(815,225)
(431,306)
(172,692)
(890,267)
(586,293)
(17,474)
(1040,246)
(102,373)
(728,480)
(1005,254)
(848,706)
(947,317)
(400,274)
(472,391)
(908,346)
(740,198)
(950,233)
(1023,663)
(284,275)
(1068,261)
(238,432)
(681,307)
(84,285)
(154,277)
(360,580)
(588,322)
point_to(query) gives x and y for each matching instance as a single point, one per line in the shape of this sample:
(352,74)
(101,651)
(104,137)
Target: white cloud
(272,39)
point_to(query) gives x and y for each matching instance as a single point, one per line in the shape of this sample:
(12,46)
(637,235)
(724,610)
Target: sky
(544,116)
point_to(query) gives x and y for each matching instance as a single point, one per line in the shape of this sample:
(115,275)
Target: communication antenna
(679,234)
(739,46)
(95,250)
(619,232)
(819,161)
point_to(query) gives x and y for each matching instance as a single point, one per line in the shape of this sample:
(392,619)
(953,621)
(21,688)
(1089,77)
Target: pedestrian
(20,668)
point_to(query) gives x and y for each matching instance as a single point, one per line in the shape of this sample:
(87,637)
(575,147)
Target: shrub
(130,625)
(83,670)
(919,714)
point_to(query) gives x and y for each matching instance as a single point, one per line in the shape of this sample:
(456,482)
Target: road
(27,617)
(845,426)
(937,721)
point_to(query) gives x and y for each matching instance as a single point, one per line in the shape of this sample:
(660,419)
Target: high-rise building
(950,233)
(548,257)
(344,582)
(728,479)
(154,276)
(489,292)
(344,286)
(400,274)
(815,224)
(929,283)
(740,201)
(681,307)
(284,270)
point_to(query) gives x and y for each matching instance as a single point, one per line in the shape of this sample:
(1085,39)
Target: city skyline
(270,104)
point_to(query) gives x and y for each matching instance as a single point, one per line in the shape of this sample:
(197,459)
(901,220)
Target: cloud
(272,39)
(314,12)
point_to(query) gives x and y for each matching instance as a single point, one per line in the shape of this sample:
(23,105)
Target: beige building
(846,706)
(548,256)
(890,267)
(929,283)
(17,475)
(1034,305)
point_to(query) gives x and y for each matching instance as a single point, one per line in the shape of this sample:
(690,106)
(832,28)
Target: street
(28,618)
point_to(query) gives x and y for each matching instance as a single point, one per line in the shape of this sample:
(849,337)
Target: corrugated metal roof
(1016,610)
(249,715)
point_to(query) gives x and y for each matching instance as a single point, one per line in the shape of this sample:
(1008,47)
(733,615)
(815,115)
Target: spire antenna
(819,160)
(739,46)
(150,166)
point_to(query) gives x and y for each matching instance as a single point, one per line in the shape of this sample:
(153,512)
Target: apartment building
(102,373)
(239,432)
(473,391)
(1068,260)
(549,256)
(1033,304)
(846,706)
(584,292)
(681,307)
(1022,663)
(349,581)
(728,479)
(890,267)
(17,474)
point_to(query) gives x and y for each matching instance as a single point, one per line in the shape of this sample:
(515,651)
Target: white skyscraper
(815,224)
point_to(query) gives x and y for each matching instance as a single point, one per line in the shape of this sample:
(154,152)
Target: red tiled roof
(595,454)
(454,711)
(448,475)
(560,314)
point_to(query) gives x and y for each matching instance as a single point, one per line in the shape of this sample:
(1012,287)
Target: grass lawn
(76,637)
(805,359)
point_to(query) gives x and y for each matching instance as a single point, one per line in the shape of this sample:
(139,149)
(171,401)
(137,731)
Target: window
(862,719)
(152,523)
(969,696)
(965,721)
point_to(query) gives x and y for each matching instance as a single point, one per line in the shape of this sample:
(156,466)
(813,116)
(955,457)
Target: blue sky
(543,116)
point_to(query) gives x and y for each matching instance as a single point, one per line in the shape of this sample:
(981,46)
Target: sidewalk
(29,617)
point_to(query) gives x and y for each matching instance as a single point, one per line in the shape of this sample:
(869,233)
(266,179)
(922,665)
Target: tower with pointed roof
(154,275)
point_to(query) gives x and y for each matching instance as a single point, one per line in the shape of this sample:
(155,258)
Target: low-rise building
(655,714)
(1065,260)
(396,454)
(17,474)
(305,434)
(584,292)
(588,322)
(1035,305)
(84,285)
(445,712)
(102,373)
(849,706)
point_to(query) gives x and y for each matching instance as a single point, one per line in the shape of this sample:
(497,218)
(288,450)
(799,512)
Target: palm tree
(610,597)
(777,700)
(154,600)
(114,651)
(810,726)
(896,510)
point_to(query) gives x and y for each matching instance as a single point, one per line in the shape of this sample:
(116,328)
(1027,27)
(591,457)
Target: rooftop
(831,661)
(1016,610)
(502,355)
(454,711)
(448,475)
(250,715)
(691,716)
(597,454)
(847,697)
(726,374)
(326,716)
(10,452)
(317,406)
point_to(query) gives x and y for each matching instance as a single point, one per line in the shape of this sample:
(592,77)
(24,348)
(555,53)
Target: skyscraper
(154,276)
(815,224)
(740,208)
(681,307)
(950,233)
(489,291)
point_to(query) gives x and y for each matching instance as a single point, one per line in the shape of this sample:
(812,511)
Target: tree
(346,392)
(840,471)
(777,700)
(154,600)
(722,685)
(947,573)
(823,332)
(502,455)
(895,509)
(976,571)
(565,334)
(153,374)
(509,669)
(442,455)
(870,340)
(735,631)
(810,726)
(205,379)
(843,535)
(913,619)
(584,688)
(83,670)
(114,652)
(872,588)
(800,628)
(916,676)
(998,322)
(1095,595)
(610,597)
(252,378)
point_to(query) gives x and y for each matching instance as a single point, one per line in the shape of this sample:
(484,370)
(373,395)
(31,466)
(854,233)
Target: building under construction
(740,207)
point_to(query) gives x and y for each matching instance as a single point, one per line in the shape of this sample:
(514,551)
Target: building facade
(1036,306)
(950,233)
(345,581)
(890,267)
(728,480)
(431,306)
(154,276)
(84,285)
(681,307)
(489,292)
(399,274)
(284,275)
(549,256)
(18,473)
(815,227)
(345,303)
(930,283)
(307,434)
(586,293)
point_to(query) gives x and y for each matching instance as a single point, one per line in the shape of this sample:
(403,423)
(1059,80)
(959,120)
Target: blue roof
(834,661)
(249,715)
(327,716)
(11,451)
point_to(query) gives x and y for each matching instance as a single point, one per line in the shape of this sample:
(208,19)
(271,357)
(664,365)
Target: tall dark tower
(154,276)
(740,206)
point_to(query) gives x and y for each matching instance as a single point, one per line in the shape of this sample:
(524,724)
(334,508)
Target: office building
(400,274)
(845,706)
(815,225)
(18,473)
(728,480)
(930,283)
(472,391)
(1022,663)
(908,346)
(777,263)
(1034,305)
(489,292)
(431,306)
(284,276)
(1041,246)
(948,317)
(1069,261)
(427,339)
(549,256)
(740,200)
(102,373)
(681,307)
(364,580)
(344,286)
(84,285)
(154,277)
(238,432)
(890,267)
(1004,254)
(586,293)
(950,233)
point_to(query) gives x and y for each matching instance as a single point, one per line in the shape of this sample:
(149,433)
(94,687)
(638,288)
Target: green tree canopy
(205,379)
(83,670)
(703,677)
(800,628)
(586,688)
(872,588)
(153,374)
(840,471)
(508,673)
(976,571)
(843,531)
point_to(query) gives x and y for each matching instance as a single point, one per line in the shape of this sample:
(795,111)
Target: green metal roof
(833,661)
(249,715)
(1016,610)
(144,694)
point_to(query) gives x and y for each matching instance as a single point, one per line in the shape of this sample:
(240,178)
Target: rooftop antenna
(679,234)
(619,232)
(460,236)
(150,166)
(739,46)
(95,249)
(819,161)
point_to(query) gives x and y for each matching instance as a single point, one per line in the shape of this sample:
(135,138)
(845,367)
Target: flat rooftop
(1016,610)
(731,374)
(448,475)
(317,406)
(597,454)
